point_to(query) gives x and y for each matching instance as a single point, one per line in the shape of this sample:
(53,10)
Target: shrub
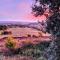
(3,27)
(10,43)
(6,32)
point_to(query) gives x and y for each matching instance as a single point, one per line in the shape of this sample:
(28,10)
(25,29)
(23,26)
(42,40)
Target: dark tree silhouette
(52,7)
(41,6)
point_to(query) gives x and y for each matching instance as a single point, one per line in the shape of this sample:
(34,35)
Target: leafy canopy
(52,7)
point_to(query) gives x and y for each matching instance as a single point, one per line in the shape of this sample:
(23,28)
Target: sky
(17,10)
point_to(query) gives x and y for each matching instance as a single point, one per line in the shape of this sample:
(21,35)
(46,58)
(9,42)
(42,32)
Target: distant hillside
(36,25)
(11,22)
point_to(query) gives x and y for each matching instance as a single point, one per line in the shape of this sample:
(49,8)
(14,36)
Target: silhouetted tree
(51,9)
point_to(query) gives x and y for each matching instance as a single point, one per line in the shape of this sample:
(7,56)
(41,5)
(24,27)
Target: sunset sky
(17,10)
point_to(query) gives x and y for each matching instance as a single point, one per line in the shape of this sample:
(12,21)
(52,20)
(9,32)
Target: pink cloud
(32,17)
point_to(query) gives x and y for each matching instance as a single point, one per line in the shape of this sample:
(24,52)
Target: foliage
(34,50)
(51,9)
(6,32)
(3,27)
(10,43)
(41,6)
(53,24)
